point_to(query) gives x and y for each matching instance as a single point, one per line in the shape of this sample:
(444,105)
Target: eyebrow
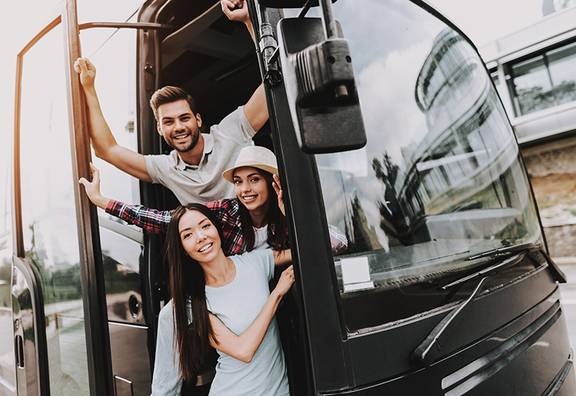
(250,175)
(166,118)
(199,223)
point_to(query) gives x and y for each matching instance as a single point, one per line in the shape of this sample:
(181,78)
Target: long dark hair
(277,229)
(186,280)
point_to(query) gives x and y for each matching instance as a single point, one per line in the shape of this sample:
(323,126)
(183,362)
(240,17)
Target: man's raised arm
(102,139)
(256,109)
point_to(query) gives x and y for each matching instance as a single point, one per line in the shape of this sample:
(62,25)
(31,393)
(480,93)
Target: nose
(200,236)
(245,187)
(178,125)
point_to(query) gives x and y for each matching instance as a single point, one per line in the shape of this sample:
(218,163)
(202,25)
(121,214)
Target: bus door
(445,287)
(59,327)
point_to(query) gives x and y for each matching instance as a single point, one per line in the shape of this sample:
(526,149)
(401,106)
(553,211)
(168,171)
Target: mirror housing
(320,86)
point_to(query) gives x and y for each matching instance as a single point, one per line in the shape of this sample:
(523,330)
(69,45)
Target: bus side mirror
(320,86)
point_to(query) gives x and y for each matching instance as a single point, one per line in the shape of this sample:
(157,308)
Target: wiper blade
(505,250)
(423,352)
(486,270)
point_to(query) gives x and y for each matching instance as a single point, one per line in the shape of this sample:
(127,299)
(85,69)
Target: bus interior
(215,60)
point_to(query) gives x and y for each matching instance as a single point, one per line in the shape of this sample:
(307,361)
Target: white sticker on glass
(356,274)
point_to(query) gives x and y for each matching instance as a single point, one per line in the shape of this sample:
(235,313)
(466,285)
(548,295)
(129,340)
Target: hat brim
(228,174)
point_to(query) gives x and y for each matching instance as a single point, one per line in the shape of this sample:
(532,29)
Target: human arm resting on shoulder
(256,109)
(151,220)
(244,346)
(105,146)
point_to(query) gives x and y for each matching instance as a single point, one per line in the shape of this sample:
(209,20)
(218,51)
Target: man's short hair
(169,94)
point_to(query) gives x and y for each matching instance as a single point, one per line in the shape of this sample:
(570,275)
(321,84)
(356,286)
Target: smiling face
(199,237)
(178,125)
(251,188)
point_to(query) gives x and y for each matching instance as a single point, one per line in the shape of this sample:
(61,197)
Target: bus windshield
(440,178)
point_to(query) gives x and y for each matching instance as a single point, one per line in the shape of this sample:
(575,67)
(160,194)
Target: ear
(198,119)
(158,129)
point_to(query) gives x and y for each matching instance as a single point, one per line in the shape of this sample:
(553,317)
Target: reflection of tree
(391,217)
(362,236)
(57,285)
(535,98)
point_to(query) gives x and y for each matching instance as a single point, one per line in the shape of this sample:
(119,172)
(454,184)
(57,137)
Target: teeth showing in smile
(205,247)
(249,198)
(181,136)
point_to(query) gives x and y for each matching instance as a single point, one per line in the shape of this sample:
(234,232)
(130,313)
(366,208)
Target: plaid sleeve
(151,220)
(226,210)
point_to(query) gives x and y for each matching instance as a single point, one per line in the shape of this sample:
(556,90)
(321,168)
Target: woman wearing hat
(254,219)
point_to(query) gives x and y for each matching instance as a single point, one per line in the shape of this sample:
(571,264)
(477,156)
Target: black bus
(386,125)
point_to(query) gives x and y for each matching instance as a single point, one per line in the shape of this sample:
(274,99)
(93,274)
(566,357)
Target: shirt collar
(208,147)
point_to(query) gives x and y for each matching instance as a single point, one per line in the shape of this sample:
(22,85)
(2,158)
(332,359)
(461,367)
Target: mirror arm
(268,47)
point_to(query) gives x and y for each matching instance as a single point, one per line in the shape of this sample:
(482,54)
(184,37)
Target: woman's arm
(166,379)
(151,220)
(244,346)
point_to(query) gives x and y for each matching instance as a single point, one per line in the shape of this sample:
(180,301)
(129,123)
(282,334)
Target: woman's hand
(276,184)
(285,282)
(235,10)
(93,188)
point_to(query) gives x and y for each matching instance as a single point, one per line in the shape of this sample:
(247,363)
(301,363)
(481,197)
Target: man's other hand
(87,72)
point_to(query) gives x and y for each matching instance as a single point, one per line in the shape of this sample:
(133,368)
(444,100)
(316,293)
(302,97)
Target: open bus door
(61,325)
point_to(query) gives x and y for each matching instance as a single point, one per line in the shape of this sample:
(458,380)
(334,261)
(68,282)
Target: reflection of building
(463,163)
(534,70)
(551,6)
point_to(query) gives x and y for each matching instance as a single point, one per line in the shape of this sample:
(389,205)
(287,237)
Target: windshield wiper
(505,250)
(422,354)
(486,270)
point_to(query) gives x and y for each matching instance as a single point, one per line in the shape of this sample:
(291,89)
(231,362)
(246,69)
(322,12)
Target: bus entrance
(445,287)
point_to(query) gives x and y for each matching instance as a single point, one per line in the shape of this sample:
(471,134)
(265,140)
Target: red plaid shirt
(156,221)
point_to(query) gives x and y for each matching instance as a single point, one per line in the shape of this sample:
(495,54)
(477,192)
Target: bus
(385,123)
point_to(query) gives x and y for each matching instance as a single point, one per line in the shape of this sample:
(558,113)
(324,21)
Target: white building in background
(534,70)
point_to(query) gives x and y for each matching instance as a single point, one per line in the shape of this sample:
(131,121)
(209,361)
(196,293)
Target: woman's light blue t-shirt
(237,304)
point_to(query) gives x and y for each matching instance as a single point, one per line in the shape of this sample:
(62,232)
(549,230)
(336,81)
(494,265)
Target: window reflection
(546,80)
(439,179)
(113,52)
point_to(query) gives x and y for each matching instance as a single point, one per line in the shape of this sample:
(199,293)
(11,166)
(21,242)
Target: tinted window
(48,211)
(438,181)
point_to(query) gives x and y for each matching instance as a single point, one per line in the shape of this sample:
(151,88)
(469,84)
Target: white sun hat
(254,157)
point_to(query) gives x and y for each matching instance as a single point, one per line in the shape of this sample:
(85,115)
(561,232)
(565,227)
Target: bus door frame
(92,276)
(316,289)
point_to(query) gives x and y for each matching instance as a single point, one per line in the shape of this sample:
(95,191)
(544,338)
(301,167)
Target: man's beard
(195,137)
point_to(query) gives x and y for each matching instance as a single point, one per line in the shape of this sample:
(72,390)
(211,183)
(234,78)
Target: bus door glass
(7,363)
(440,178)
(113,52)
(49,222)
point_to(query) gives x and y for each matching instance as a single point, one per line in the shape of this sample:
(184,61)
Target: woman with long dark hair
(223,302)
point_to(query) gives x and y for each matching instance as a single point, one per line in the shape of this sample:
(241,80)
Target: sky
(481,20)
